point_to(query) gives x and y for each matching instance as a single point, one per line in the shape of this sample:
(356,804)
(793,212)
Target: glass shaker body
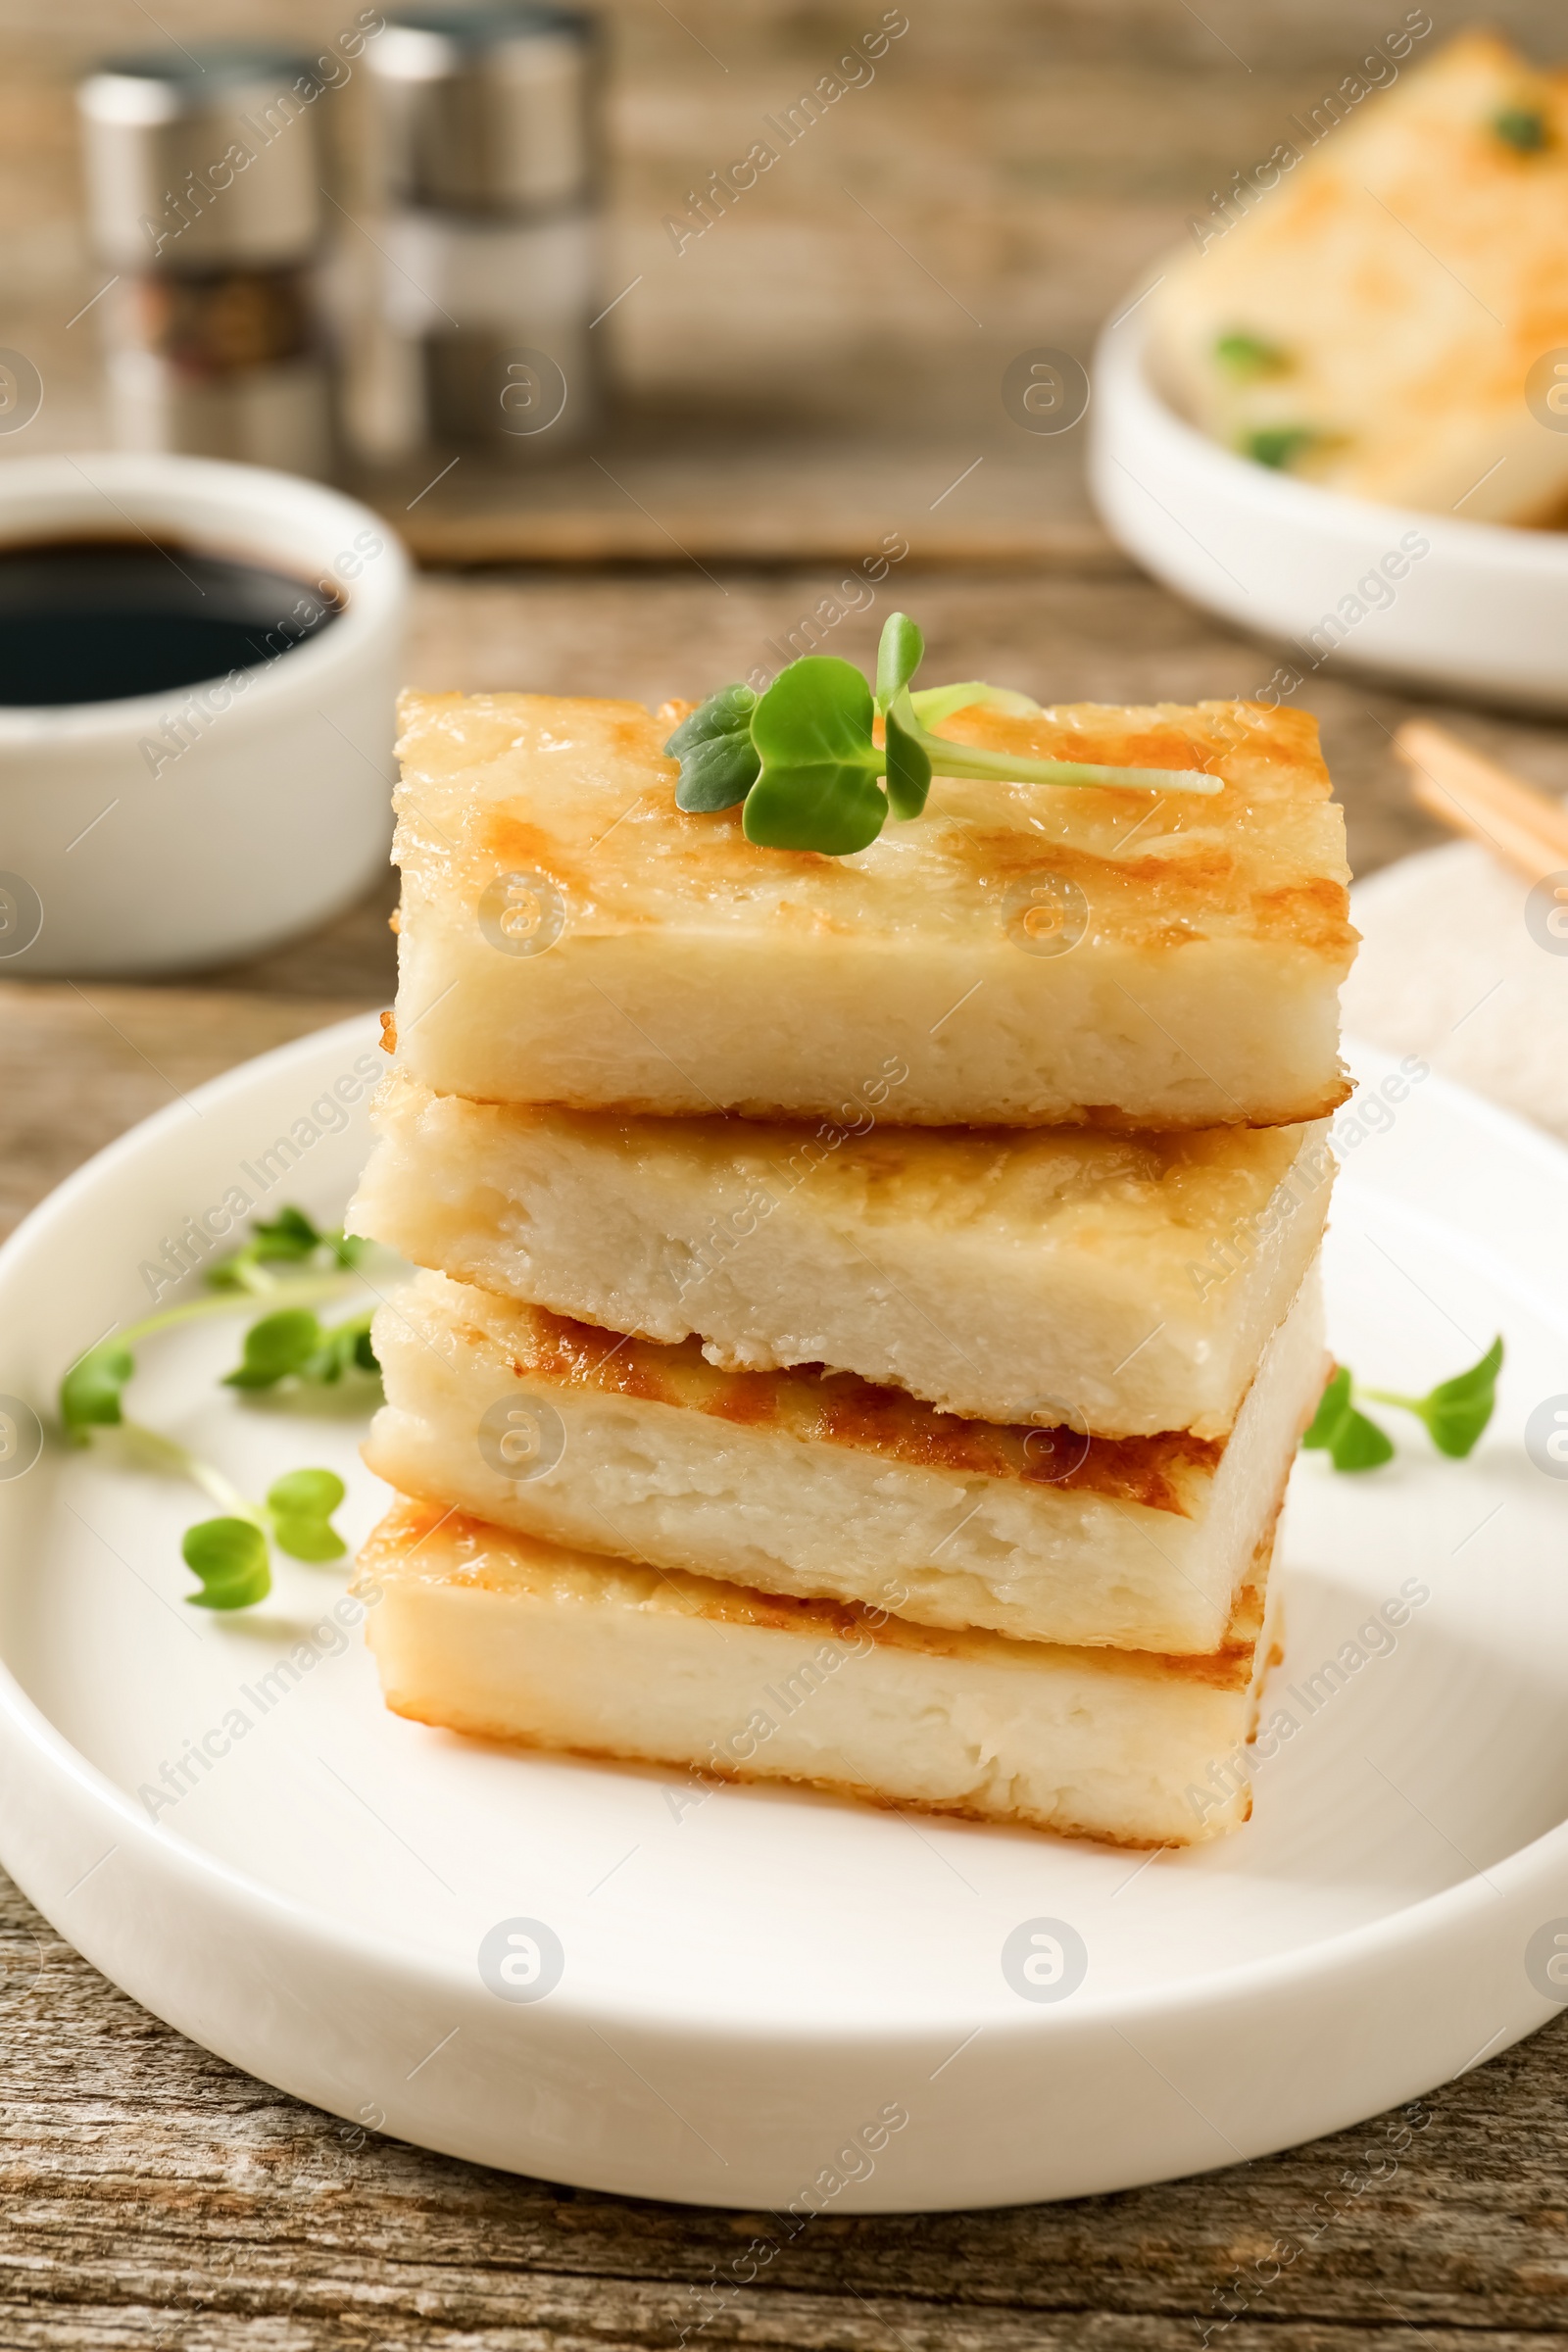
(203,183)
(488,164)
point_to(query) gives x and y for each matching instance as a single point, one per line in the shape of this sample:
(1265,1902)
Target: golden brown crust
(412,1520)
(839,1409)
(1098,1117)
(1262,860)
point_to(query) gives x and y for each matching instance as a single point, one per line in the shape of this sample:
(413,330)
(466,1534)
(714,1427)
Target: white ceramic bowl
(268,809)
(1482,611)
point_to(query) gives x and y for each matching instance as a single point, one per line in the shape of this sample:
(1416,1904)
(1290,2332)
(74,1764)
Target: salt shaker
(486,129)
(204,176)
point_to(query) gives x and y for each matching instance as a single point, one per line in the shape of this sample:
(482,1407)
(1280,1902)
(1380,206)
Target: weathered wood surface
(835,341)
(153,2197)
(80,1062)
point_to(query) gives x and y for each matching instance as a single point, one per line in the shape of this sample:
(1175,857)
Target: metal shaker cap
(205,160)
(487,110)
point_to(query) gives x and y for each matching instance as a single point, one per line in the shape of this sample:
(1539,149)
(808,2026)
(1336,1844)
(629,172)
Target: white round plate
(1485,610)
(770,1999)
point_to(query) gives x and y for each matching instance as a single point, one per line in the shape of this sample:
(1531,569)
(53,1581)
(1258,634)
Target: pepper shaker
(204,177)
(486,121)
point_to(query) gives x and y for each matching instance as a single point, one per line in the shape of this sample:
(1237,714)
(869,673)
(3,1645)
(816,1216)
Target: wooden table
(156,2197)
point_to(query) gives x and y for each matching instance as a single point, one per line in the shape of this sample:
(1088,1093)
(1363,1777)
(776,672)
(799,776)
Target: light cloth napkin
(1449,969)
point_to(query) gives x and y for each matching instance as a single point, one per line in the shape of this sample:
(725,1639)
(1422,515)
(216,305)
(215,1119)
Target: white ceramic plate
(1485,610)
(757,1986)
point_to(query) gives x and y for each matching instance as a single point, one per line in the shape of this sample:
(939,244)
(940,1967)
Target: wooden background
(812,373)
(828,358)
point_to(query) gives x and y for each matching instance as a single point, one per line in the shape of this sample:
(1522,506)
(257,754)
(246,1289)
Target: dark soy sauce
(94,620)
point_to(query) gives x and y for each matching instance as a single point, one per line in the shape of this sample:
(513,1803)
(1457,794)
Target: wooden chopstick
(1473,796)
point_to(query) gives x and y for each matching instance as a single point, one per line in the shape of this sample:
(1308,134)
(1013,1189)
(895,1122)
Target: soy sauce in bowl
(96,620)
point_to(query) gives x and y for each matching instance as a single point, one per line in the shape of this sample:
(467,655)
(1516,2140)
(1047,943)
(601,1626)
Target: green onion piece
(1523,129)
(1248,357)
(1277,445)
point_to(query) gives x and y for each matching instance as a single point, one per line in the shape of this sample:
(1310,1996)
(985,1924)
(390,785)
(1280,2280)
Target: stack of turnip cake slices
(871,1303)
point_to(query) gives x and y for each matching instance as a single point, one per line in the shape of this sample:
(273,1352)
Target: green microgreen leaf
(1248,357)
(291,1234)
(311,1539)
(1277,445)
(908,761)
(291,1238)
(1523,129)
(817,788)
(276,1347)
(292,1344)
(1359,1444)
(1457,1410)
(1333,1405)
(300,1507)
(345,1347)
(718,760)
(230,1557)
(89,1393)
(899,656)
(1350,1440)
(305,1494)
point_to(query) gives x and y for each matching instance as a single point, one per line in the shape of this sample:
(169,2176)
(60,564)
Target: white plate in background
(1483,611)
(759,1984)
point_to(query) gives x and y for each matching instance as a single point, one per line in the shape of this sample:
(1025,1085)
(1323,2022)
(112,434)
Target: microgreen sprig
(291,1240)
(293,1343)
(804,759)
(1457,1410)
(231,1555)
(1454,1413)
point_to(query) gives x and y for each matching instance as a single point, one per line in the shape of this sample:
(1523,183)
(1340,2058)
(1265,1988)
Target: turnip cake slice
(1011,1275)
(818,1486)
(482,1631)
(1389,317)
(1022,953)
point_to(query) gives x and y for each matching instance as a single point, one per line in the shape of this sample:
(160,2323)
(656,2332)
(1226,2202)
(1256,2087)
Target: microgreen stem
(967,761)
(289,1290)
(970,762)
(932,703)
(153,1451)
